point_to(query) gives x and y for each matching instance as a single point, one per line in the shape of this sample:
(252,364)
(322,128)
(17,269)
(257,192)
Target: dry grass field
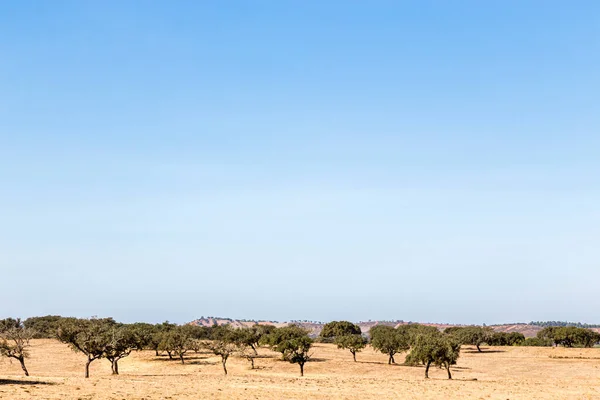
(500,373)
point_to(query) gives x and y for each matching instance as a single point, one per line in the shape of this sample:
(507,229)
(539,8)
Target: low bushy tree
(413,331)
(176,342)
(298,351)
(120,341)
(506,339)
(45,327)
(471,335)
(278,339)
(225,341)
(144,334)
(14,341)
(389,340)
(570,336)
(355,343)
(434,348)
(339,328)
(536,342)
(87,336)
(292,342)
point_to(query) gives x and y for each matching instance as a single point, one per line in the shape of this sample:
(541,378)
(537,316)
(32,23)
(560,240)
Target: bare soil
(498,373)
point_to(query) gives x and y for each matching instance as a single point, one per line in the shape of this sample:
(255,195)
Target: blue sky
(426,160)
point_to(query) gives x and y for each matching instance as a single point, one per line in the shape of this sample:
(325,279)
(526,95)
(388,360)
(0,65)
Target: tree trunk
(301,369)
(354,355)
(391,360)
(170,355)
(156,351)
(478,348)
(448,369)
(115,366)
(254,348)
(427,369)
(224,362)
(22,361)
(252,362)
(87,367)
(181,357)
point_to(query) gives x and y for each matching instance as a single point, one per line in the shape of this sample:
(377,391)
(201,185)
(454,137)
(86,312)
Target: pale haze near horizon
(430,162)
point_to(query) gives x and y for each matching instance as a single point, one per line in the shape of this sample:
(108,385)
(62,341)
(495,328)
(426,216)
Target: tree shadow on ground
(381,363)
(202,362)
(483,351)
(186,358)
(20,382)
(454,379)
(154,375)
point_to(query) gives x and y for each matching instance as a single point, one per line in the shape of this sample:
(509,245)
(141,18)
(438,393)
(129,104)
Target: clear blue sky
(424,160)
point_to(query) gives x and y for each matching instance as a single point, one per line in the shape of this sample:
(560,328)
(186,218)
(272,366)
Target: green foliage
(144,334)
(434,348)
(570,336)
(292,342)
(14,341)
(46,327)
(536,342)
(339,328)
(88,336)
(389,341)
(176,342)
(471,335)
(252,336)
(547,333)
(506,339)
(354,342)
(151,336)
(9,323)
(563,323)
(280,338)
(297,351)
(119,341)
(413,331)
(224,342)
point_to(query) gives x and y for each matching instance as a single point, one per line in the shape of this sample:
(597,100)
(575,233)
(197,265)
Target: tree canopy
(389,340)
(434,348)
(14,341)
(339,328)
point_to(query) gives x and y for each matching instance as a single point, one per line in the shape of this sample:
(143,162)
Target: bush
(536,342)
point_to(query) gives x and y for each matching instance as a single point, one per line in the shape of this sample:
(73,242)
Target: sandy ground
(499,373)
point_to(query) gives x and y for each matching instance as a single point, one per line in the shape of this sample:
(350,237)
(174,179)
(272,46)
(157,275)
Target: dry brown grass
(502,373)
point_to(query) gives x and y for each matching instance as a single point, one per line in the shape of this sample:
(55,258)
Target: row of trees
(569,336)
(563,323)
(428,346)
(104,338)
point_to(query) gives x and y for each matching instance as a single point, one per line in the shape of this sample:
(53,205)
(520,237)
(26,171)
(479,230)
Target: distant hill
(529,330)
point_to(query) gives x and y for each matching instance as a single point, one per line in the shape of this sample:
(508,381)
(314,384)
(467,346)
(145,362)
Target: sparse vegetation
(99,338)
(14,341)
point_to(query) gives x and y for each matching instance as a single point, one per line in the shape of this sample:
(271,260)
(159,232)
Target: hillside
(315,326)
